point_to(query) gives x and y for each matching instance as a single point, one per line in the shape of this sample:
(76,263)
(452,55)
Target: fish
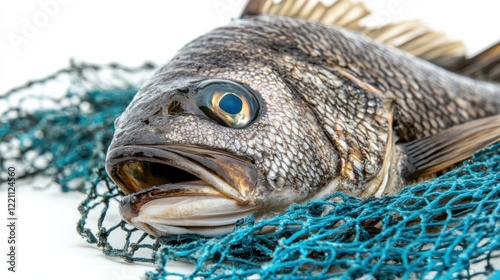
(293,101)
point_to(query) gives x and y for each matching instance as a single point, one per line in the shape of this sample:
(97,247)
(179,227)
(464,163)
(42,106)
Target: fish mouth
(178,189)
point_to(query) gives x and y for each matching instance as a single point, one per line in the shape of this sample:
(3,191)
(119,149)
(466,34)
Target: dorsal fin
(410,36)
(414,37)
(485,65)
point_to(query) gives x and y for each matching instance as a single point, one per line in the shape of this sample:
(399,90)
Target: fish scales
(274,36)
(336,111)
(275,42)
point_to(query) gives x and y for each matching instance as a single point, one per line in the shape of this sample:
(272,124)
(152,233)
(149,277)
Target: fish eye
(227,103)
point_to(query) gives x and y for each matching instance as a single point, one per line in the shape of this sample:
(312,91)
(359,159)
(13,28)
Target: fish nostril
(183,90)
(174,107)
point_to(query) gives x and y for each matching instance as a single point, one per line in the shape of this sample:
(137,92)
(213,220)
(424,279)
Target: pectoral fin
(434,153)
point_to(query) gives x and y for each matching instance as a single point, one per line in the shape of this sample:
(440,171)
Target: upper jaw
(167,183)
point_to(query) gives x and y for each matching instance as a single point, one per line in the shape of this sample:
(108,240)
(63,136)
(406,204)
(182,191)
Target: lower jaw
(206,215)
(160,230)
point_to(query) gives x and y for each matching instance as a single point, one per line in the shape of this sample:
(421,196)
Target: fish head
(206,143)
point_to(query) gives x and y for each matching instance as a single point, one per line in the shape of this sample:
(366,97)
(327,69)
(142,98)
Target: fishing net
(60,127)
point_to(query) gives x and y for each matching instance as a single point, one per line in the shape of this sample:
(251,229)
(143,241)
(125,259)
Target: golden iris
(227,103)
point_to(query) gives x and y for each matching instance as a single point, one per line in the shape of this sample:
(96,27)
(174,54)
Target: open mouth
(174,189)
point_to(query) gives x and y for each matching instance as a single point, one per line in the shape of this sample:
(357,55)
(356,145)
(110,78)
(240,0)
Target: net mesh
(60,127)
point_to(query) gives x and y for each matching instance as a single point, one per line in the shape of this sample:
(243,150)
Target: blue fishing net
(448,228)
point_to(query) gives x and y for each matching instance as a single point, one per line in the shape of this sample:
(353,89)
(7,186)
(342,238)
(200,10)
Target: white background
(131,32)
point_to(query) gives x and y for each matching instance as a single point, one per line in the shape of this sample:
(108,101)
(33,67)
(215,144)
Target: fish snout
(174,189)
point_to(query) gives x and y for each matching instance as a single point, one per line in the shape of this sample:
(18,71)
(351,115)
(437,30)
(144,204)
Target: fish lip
(223,177)
(130,204)
(213,221)
(186,158)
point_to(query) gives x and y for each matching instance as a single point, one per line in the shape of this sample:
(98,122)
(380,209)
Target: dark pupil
(231,104)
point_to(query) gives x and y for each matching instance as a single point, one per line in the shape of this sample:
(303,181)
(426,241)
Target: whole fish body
(272,110)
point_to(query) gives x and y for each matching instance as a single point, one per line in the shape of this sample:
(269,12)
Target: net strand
(448,228)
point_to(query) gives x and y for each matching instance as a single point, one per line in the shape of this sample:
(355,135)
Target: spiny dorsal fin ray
(434,153)
(410,36)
